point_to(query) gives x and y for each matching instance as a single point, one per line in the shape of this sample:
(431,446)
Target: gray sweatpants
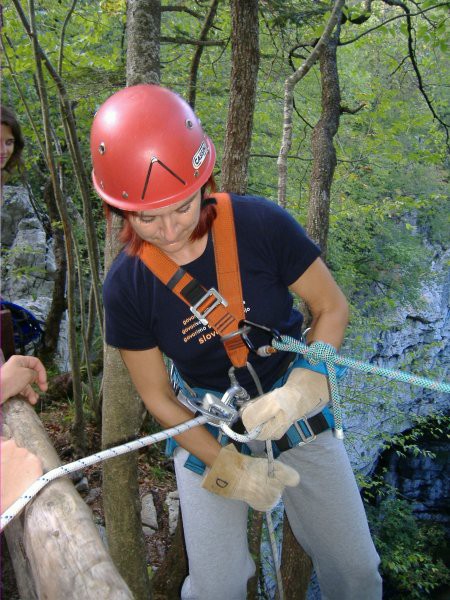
(325,513)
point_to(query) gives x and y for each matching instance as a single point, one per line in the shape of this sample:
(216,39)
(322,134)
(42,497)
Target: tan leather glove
(234,475)
(304,391)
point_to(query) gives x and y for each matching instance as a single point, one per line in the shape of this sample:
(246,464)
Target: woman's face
(6,145)
(169,228)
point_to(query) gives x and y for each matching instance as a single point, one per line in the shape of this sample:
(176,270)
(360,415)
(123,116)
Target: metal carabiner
(263,351)
(245,327)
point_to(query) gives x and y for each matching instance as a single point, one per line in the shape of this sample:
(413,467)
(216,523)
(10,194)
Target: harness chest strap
(207,305)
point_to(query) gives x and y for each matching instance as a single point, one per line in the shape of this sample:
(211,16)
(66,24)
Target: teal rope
(321,352)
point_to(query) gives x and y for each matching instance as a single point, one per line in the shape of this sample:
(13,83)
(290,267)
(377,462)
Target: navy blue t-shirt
(142,313)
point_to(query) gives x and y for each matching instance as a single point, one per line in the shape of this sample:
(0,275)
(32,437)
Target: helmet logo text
(200,155)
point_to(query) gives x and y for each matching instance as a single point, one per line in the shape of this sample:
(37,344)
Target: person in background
(152,164)
(19,468)
(11,142)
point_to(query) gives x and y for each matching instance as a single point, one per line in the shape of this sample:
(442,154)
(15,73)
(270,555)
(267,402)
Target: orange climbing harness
(222,310)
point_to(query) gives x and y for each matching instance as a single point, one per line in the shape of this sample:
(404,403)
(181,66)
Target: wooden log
(22,572)
(63,548)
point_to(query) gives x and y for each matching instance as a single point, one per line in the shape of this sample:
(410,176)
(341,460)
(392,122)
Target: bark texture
(143,35)
(122,417)
(169,578)
(59,304)
(296,566)
(244,74)
(323,150)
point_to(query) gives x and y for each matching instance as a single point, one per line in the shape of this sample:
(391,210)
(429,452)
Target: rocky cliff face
(416,341)
(28,262)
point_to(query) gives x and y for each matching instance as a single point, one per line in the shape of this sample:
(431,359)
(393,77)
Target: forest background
(363,165)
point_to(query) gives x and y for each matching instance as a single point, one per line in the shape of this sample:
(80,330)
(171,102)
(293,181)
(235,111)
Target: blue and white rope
(321,352)
(64,470)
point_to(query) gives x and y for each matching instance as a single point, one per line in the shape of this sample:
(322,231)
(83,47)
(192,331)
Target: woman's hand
(304,391)
(246,478)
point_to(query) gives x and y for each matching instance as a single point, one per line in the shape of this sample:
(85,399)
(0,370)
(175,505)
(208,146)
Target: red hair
(133,243)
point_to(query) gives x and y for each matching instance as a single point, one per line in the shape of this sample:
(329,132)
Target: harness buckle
(305,438)
(218,300)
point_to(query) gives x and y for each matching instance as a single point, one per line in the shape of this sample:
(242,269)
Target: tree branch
(191,42)
(412,57)
(63,34)
(185,9)
(421,12)
(351,111)
(192,85)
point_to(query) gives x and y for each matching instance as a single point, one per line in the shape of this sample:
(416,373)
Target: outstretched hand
(17,376)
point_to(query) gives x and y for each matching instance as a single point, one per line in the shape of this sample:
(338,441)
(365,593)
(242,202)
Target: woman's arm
(304,390)
(232,475)
(327,303)
(149,375)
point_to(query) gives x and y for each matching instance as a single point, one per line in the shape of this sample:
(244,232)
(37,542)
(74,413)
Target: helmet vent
(189,124)
(102,148)
(124,195)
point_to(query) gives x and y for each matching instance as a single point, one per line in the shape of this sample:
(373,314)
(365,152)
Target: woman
(11,141)
(153,164)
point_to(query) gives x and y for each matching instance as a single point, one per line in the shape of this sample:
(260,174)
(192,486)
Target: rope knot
(320,351)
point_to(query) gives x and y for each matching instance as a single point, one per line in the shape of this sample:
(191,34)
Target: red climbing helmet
(148,149)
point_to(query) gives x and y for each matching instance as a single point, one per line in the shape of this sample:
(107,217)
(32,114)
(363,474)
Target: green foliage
(435,426)
(389,194)
(410,565)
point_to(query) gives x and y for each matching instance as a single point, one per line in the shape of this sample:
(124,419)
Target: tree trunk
(123,411)
(244,74)
(143,33)
(254,545)
(324,153)
(58,305)
(79,433)
(296,566)
(122,419)
(289,85)
(167,581)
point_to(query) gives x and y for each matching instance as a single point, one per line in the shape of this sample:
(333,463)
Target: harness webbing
(207,305)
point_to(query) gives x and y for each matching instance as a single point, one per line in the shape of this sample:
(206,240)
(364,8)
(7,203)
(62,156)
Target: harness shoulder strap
(209,306)
(228,273)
